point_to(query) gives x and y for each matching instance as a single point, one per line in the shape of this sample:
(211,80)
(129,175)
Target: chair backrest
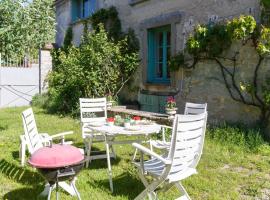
(186,143)
(32,136)
(93,110)
(195,108)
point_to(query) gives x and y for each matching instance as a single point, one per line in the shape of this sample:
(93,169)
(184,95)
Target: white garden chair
(181,161)
(34,140)
(92,111)
(190,109)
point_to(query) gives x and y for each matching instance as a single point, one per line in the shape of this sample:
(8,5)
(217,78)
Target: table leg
(22,150)
(109,163)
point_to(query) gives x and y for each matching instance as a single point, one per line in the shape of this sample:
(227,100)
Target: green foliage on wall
(212,43)
(98,67)
(109,18)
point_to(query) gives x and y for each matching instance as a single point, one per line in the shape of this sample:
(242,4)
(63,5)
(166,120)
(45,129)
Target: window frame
(153,56)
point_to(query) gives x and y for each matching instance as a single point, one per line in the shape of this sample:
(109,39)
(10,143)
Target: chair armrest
(62,134)
(151,153)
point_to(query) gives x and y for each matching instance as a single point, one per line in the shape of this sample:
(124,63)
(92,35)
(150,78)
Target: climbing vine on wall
(210,42)
(110,19)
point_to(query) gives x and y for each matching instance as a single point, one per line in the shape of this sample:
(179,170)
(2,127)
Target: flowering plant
(110,119)
(170,103)
(137,118)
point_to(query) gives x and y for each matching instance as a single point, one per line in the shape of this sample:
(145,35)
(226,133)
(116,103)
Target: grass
(235,165)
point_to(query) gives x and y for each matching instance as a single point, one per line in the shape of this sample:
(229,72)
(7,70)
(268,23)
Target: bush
(98,67)
(40,100)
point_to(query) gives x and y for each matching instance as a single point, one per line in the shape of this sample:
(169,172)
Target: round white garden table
(111,132)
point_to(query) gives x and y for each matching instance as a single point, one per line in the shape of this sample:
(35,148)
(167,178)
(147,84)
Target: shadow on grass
(24,194)
(15,155)
(124,185)
(19,174)
(102,163)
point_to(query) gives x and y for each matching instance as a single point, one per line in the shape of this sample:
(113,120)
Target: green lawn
(226,171)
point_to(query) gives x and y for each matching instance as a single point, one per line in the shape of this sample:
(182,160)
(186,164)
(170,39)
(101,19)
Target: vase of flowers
(171,107)
(110,121)
(137,119)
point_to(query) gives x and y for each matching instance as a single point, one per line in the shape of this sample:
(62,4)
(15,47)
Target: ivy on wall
(110,19)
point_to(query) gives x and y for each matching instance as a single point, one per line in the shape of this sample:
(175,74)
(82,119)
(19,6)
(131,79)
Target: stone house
(162,27)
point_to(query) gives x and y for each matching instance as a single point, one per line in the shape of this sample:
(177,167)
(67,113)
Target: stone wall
(206,84)
(46,67)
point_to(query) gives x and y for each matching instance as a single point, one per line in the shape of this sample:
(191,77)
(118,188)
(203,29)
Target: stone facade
(204,84)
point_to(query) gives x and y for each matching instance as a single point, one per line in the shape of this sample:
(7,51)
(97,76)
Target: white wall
(18,85)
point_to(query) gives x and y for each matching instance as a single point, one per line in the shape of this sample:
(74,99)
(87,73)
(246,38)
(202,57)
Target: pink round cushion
(56,156)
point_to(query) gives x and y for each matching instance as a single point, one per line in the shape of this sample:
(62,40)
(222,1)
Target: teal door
(159,52)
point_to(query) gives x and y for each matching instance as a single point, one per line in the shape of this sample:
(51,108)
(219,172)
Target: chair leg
(149,190)
(22,151)
(88,150)
(181,188)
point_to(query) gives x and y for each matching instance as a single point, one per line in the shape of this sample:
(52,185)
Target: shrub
(40,100)
(98,67)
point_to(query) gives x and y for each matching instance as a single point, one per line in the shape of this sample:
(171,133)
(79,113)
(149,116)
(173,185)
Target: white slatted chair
(34,140)
(93,110)
(184,154)
(190,109)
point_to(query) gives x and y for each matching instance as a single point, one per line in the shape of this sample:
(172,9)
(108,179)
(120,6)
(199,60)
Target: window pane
(160,39)
(168,38)
(86,8)
(159,72)
(168,53)
(160,54)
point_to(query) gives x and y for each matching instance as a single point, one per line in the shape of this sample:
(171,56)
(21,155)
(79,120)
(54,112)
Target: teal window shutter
(82,8)
(159,48)
(75,10)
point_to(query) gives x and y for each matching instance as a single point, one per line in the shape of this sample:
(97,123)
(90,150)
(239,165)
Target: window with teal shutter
(159,52)
(83,8)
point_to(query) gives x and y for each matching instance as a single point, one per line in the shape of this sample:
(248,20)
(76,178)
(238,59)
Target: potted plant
(110,121)
(170,106)
(137,119)
(127,122)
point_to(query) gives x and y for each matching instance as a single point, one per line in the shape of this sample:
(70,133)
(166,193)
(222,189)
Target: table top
(119,130)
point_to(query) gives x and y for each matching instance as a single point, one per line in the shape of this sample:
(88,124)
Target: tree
(24,26)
